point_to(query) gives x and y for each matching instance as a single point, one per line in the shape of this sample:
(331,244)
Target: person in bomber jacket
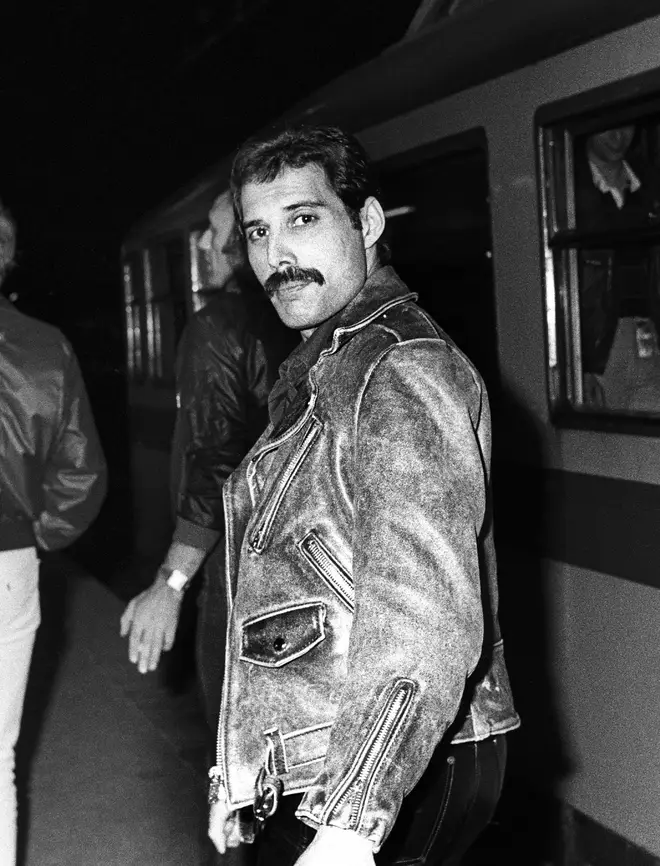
(52,485)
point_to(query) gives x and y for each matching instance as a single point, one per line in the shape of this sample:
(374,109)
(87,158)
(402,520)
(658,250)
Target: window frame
(618,103)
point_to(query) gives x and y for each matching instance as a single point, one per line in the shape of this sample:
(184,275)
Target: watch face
(177,580)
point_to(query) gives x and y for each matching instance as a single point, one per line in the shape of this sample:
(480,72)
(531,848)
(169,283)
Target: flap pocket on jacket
(278,638)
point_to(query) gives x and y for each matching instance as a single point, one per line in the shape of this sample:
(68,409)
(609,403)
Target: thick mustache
(292,275)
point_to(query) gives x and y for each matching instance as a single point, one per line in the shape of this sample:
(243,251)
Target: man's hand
(331,846)
(223,827)
(150,620)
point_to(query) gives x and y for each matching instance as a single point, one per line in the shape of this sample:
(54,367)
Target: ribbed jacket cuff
(189,533)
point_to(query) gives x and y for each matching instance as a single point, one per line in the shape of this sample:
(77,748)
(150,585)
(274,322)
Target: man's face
(611,145)
(216,244)
(303,248)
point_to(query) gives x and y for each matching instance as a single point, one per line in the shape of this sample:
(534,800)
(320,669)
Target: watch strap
(175,579)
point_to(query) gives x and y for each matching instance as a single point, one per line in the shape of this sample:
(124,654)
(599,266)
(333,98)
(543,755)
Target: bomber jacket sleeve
(74,477)
(213,404)
(421,452)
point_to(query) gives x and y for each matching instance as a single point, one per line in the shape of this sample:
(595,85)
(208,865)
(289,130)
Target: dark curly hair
(347,167)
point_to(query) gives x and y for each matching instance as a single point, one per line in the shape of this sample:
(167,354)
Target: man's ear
(373,221)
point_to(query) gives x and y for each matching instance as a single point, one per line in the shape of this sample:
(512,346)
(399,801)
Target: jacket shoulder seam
(401,343)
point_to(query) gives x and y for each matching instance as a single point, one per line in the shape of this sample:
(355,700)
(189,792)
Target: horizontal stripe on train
(609,525)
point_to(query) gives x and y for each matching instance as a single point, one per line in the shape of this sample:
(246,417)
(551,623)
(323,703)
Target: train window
(166,280)
(601,210)
(154,292)
(134,306)
(439,231)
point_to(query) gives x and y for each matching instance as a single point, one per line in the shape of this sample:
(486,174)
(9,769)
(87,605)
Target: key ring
(267,792)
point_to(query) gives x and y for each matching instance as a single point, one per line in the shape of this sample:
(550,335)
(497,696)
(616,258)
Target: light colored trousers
(19,620)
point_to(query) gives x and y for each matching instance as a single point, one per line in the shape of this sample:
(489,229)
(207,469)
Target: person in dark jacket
(52,485)
(227,362)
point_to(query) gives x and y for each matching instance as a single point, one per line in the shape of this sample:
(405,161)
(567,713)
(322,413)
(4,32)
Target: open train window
(601,225)
(439,230)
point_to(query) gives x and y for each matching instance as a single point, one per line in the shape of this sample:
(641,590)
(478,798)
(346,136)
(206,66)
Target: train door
(438,212)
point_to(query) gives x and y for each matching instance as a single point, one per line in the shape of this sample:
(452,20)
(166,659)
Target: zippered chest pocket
(329,569)
(261,534)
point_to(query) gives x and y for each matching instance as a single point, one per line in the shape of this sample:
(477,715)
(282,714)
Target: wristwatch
(176,579)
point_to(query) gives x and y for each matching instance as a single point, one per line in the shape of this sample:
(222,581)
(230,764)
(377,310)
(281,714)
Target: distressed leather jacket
(362,585)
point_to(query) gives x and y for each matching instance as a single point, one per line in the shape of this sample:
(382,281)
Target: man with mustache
(366,699)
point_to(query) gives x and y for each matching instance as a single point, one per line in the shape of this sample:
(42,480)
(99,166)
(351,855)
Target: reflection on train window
(155,291)
(438,229)
(134,306)
(601,203)
(153,288)
(165,280)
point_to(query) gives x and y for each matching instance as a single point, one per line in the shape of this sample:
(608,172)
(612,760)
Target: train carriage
(480,125)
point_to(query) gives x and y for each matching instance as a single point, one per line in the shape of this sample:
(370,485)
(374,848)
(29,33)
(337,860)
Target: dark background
(108,109)
(105,112)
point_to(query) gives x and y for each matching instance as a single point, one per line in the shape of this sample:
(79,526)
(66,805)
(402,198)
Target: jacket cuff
(189,533)
(304,814)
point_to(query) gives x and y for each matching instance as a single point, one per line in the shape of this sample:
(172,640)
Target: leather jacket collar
(382,290)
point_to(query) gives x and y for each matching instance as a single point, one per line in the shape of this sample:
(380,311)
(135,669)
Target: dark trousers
(439,820)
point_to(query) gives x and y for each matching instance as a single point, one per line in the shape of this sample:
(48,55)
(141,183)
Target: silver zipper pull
(217,791)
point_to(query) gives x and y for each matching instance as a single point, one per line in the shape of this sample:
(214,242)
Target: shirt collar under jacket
(601,184)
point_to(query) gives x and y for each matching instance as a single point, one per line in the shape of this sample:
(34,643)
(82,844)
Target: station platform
(110,764)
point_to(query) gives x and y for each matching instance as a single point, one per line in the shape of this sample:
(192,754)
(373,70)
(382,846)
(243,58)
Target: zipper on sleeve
(329,569)
(261,535)
(355,788)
